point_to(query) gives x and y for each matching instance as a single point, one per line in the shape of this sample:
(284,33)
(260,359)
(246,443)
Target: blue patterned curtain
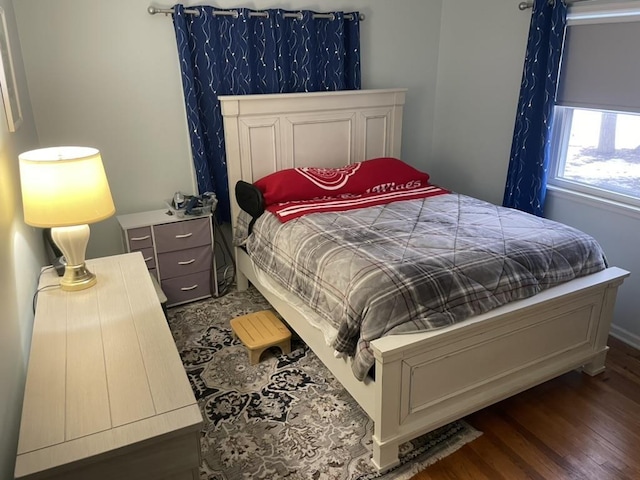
(248,54)
(526,185)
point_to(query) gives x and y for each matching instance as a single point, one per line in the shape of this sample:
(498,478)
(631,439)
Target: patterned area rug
(286,417)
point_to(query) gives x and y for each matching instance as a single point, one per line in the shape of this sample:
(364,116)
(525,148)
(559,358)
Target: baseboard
(625,336)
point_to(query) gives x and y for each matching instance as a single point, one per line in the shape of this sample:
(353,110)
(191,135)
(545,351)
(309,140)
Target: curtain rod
(234,13)
(527,5)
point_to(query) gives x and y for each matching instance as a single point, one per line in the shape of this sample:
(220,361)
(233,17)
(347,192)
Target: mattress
(414,265)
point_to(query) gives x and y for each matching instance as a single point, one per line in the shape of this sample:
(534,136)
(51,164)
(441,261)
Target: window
(598,152)
(596,137)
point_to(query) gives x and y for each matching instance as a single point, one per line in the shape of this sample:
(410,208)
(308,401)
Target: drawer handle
(186,289)
(148,259)
(185,235)
(138,239)
(188,262)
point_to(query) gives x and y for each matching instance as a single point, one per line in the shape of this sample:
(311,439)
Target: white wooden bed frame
(425,380)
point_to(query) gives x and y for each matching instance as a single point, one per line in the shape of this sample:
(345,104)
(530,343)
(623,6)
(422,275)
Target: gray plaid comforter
(416,265)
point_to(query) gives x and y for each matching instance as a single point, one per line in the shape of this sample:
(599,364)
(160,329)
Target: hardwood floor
(572,427)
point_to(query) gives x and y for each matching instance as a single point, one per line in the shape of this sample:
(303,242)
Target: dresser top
(104,371)
(153,217)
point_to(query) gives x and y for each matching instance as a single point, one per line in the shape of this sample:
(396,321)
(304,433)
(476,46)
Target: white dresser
(106,394)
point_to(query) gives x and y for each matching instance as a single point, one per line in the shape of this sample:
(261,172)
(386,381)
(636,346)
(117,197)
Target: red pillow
(371,176)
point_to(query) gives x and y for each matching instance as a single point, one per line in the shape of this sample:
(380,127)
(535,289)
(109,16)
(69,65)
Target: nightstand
(178,251)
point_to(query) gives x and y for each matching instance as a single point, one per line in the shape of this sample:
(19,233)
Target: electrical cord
(219,248)
(228,270)
(34,301)
(227,280)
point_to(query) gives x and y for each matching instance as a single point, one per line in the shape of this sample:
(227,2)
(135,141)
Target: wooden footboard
(428,380)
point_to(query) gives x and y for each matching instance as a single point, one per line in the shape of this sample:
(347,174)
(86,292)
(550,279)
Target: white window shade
(601,67)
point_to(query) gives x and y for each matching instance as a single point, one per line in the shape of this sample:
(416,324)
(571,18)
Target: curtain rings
(529,4)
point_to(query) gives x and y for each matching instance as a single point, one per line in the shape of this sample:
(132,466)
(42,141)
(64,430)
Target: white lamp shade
(64,186)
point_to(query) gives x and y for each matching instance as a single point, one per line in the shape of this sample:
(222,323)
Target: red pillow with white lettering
(378,175)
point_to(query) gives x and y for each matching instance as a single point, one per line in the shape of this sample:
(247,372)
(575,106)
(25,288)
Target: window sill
(562,193)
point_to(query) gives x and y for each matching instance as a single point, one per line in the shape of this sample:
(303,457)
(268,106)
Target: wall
(106,74)
(617,231)
(103,74)
(482,46)
(21,255)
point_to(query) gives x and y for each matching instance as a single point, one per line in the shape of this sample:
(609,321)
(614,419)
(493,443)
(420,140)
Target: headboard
(267,133)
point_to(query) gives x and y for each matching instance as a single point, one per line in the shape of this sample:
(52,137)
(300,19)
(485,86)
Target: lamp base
(77,277)
(73,241)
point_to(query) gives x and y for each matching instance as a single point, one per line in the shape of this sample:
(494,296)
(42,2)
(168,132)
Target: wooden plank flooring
(572,427)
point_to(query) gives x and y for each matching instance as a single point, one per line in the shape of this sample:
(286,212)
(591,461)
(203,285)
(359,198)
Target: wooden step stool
(259,331)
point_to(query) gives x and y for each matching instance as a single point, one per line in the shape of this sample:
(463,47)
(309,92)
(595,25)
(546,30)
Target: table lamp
(65,189)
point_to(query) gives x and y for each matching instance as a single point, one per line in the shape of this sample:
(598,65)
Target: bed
(427,379)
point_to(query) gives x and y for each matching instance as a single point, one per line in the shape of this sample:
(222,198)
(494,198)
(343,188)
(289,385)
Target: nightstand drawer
(182,235)
(188,287)
(184,262)
(149,258)
(139,238)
